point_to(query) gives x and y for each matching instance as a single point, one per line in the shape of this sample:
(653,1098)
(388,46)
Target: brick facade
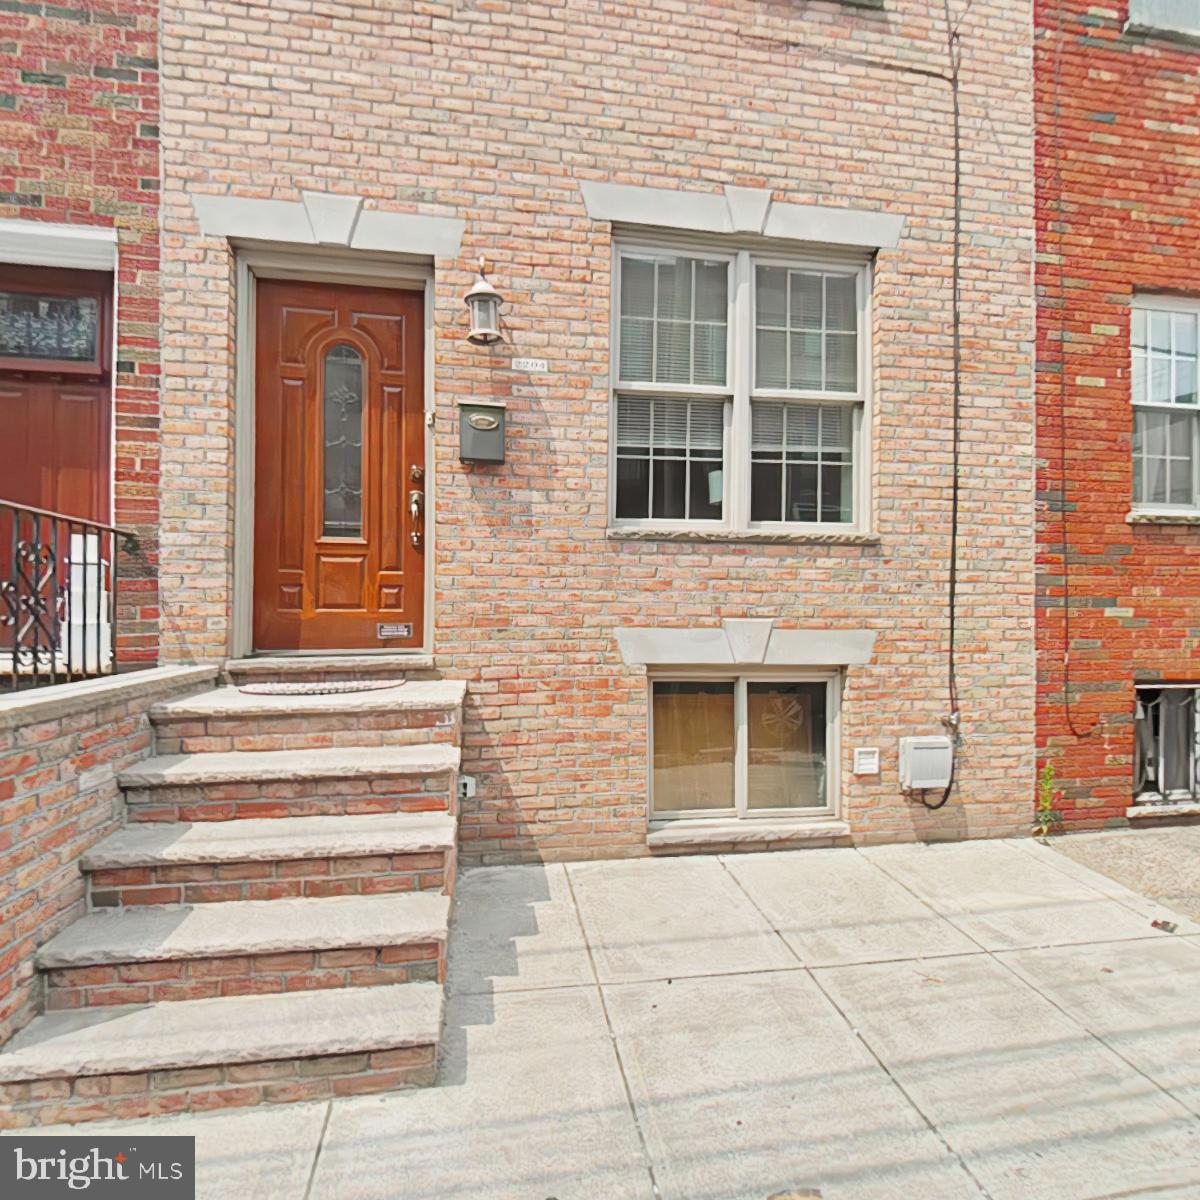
(60,754)
(79,102)
(1118,194)
(494,112)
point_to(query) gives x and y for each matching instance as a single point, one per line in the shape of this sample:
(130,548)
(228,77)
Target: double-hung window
(739,392)
(1165,345)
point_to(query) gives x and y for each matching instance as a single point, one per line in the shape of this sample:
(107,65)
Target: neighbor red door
(339,532)
(55,390)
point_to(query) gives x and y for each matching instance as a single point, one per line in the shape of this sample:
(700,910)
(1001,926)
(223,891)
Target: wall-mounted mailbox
(481,432)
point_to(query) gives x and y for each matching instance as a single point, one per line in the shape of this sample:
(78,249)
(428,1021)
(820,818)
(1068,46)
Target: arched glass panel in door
(343,416)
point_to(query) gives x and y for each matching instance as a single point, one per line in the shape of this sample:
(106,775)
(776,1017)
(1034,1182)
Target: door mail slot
(481,432)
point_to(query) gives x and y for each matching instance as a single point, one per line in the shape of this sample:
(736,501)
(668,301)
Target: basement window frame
(1144,737)
(1144,306)
(739,811)
(740,391)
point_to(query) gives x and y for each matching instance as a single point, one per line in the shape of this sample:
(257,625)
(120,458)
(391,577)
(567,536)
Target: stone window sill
(710,835)
(637,533)
(1148,517)
(1150,810)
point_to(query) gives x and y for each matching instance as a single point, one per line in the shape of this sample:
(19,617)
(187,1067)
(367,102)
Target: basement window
(1167,731)
(742,747)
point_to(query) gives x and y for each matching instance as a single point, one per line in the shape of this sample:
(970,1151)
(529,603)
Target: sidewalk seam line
(612,1036)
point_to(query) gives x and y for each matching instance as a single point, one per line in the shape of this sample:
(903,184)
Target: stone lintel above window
(741,210)
(747,641)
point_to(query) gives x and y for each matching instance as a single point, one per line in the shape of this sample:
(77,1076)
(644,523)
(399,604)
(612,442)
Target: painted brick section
(58,797)
(79,103)
(494,111)
(1118,196)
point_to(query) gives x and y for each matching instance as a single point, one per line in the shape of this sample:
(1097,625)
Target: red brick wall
(494,111)
(58,796)
(79,102)
(1118,205)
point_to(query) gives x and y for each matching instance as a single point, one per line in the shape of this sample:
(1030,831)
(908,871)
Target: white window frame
(740,390)
(739,810)
(1149,797)
(1171,304)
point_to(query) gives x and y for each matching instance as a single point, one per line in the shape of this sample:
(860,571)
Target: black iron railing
(58,597)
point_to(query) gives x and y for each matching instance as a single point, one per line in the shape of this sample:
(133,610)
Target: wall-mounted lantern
(483,303)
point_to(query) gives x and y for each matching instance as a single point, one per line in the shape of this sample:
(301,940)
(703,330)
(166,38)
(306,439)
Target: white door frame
(311,264)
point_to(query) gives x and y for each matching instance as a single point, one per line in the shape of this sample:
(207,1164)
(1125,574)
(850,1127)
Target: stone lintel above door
(327,219)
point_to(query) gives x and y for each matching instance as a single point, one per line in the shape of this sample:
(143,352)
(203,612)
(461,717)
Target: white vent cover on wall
(925,762)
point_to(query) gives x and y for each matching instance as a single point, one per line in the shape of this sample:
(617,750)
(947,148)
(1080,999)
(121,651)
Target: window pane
(766,491)
(670,458)
(343,411)
(772,361)
(1160,332)
(841,303)
(674,289)
(674,320)
(637,349)
(841,367)
(806,301)
(1137,328)
(1137,385)
(801,462)
(49,327)
(772,298)
(673,354)
(633,488)
(709,350)
(670,489)
(637,287)
(786,725)
(1160,380)
(820,314)
(1185,381)
(693,752)
(712,291)
(806,361)
(1185,334)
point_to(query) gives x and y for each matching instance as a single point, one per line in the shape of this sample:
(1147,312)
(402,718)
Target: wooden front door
(339,528)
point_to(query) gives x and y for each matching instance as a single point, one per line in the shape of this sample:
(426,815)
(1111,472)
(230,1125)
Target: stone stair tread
(231,703)
(228,1029)
(155,933)
(325,664)
(338,762)
(271,840)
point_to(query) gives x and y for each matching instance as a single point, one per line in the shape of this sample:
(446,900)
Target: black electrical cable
(954,51)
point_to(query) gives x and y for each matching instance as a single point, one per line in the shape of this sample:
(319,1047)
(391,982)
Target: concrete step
(262,859)
(331,667)
(165,952)
(196,1055)
(227,718)
(292,783)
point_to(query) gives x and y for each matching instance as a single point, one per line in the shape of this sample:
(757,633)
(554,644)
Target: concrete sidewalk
(976,1019)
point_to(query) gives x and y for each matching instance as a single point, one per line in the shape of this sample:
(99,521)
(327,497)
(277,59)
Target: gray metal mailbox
(481,432)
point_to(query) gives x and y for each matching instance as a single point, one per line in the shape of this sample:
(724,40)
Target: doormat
(317,687)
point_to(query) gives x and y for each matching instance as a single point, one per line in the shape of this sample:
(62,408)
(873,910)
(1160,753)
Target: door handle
(416,510)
